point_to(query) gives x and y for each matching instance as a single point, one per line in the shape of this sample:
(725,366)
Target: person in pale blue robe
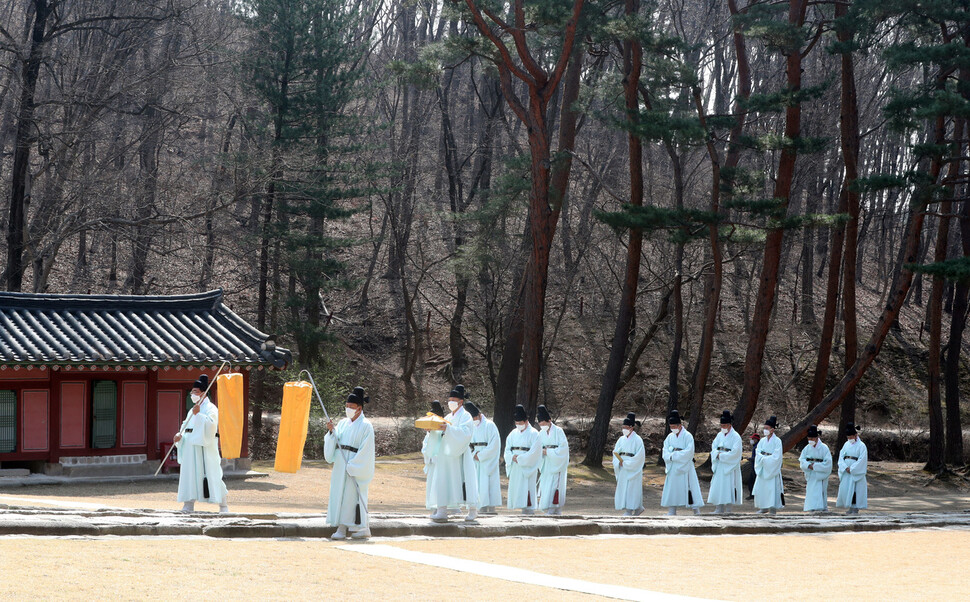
(853,464)
(455,478)
(628,458)
(554,464)
(681,487)
(816,463)
(430,449)
(726,452)
(198,453)
(522,456)
(486,447)
(349,446)
(769,490)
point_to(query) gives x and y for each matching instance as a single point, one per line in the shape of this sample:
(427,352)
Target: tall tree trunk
(23,141)
(269,199)
(849,135)
(937,450)
(549,181)
(511,377)
(808,265)
(951,370)
(958,320)
(831,306)
(712,299)
(768,282)
(902,281)
(935,310)
(632,65)
(673,366)
(141,239)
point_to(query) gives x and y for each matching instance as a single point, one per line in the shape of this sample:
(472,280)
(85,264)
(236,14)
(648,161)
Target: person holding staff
(349,446)
(200,475)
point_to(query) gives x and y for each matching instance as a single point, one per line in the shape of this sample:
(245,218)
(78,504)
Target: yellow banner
(294,421)
(232,414)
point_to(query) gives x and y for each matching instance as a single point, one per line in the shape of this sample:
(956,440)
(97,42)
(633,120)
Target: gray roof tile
(119,329)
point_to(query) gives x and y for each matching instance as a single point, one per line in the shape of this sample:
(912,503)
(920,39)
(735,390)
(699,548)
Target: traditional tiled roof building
(107,376)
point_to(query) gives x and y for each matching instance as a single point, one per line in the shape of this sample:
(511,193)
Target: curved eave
(137,364)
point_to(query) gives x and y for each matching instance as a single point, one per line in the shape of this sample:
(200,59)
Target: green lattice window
(8,422)
(104,427)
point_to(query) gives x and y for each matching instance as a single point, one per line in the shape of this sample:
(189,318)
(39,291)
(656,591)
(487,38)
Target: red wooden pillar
(244,452)
(55,415)
(151,417)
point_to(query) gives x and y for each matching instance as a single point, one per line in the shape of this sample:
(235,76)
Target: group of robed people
(462,465)
(461,461)
(682,488)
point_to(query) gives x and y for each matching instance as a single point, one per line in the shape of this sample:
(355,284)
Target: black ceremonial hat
(472,409)
(630,420)
(437,409)
(202,383)
(813,432)
(542,414)
(674,417)
(519,414)
(726,417)
(772,422)
(358,396)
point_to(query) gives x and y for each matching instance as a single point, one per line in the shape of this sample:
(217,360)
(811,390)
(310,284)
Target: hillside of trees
(601,206)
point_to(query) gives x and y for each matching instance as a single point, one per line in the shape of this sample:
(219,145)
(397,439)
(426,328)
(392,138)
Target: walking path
(127,522)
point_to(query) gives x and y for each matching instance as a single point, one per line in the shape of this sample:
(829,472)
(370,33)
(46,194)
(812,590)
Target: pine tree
(306,63)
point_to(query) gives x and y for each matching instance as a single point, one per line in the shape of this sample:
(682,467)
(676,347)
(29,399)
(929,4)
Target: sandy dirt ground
(868,566)
(863,566)
(860,566)
(186,569)
(399,483)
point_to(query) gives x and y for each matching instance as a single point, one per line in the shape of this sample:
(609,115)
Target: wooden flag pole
(186,421)
(343,454)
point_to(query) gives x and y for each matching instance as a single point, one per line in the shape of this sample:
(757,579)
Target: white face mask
(544,428)
(452,405)
(351,412)
(478,421)
(626,432)
(196,398)
(521,427)
(766,432)
(675,430)
(724,431)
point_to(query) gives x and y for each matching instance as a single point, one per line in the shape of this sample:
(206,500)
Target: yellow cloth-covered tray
(430,422)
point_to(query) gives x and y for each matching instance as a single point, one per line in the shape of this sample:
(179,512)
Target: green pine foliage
(306,64)
(927,52)
(957,269)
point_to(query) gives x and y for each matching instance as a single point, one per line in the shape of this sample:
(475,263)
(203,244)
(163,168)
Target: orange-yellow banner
(231,414)
(294,421)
